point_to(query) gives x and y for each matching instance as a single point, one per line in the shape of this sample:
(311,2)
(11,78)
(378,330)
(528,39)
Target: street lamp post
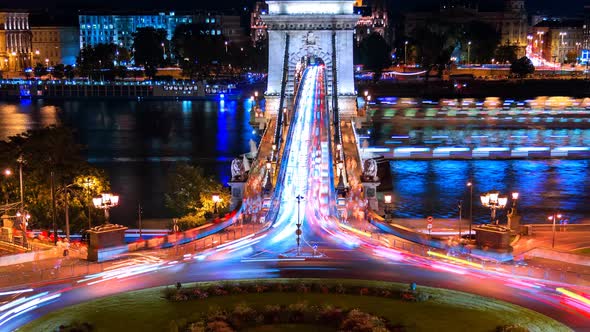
(216,199)
(561,53)
(387,199)
(88,184)
(298,232)
(268,185)
(554,218)
(493,201)
(470,185)
(7,172)
(105,202)
(469,53)
(460,206)
(406,53)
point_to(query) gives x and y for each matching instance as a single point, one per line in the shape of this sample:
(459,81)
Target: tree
(375,54)
(197,49)
(93,59)
(45,150)
(190,193)
(120,72)
(522,67)
(69,72)
(571,57)
(123,56)
(58,71)
(147,43)
(506,53)
(484,40)
(40,70)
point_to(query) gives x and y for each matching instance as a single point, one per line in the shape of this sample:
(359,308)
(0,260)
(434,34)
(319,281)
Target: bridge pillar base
(347,107)
(370,190)
(237,193)
(272,104)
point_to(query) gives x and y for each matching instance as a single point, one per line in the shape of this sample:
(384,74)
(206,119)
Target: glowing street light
(554,218)
(105,202)
(493,201)
(216,199)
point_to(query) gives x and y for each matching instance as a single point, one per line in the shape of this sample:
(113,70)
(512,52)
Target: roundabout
(284,304)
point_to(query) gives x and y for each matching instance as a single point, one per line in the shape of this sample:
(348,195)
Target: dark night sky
(568,7)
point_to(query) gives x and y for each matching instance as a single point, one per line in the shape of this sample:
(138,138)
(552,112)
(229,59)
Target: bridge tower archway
(302,28)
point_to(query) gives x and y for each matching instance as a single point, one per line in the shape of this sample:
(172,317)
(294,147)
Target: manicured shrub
(76,327)
(272,313)
(219,326)
(168,293)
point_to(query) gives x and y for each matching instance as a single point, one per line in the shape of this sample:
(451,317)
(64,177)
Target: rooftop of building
(561,23)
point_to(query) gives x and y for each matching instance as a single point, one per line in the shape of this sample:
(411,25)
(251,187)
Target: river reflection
(424,188)
(139,143)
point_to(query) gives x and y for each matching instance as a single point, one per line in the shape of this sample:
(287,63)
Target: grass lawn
(583,251)
(147,311)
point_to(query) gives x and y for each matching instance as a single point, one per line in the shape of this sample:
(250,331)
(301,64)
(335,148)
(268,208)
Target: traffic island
(321,304)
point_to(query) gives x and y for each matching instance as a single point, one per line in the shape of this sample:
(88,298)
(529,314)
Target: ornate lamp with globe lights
(494,201)
(105,202)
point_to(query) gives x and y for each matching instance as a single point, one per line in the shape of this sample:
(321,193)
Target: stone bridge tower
(298,29)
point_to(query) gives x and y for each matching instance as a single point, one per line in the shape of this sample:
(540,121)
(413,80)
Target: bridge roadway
(345,252)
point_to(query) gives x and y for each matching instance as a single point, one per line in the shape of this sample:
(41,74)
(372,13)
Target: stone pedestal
(493,237)
(237,193)
(106,241)
(370,190)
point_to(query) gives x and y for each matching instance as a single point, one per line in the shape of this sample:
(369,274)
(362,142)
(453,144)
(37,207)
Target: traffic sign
(429,226)
(429,219)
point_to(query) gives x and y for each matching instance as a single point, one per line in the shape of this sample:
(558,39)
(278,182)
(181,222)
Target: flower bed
(202,292)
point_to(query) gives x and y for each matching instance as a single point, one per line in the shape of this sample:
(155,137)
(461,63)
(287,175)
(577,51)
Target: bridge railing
(563,275)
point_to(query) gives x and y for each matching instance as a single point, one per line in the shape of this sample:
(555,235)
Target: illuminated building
(57,44)
(586,27)
(558,38)
(118,29)
(373,19)
(511,22)
(15,41)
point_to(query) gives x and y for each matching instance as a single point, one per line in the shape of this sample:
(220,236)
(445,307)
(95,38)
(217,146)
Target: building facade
(511,22)
(118,29)
(54,45)
(15,41)
(558,40)
(373,18)
(586,27)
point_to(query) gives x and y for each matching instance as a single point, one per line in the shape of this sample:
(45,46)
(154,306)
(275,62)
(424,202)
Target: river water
(139,143)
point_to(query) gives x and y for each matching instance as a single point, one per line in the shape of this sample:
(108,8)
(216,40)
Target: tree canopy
(149,50)
(190,193)
(43,151)
(522,67)
(197,50)
(375,54)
